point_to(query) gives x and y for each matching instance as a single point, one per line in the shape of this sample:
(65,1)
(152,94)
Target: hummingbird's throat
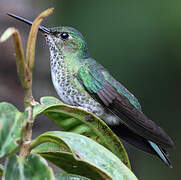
(56,57)
(53,43)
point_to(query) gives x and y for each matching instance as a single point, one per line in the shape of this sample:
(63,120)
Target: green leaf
(1,170)
(77,120)
(32,167)
(11,121)
(45,103)
(65,176)
(65,160)
(82,156)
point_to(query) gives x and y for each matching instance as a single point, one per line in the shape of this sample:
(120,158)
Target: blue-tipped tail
(160,153)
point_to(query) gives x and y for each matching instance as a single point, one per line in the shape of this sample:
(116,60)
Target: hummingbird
(81,81)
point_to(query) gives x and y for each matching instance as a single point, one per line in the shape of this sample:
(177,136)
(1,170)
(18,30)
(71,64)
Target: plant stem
(25,70)
(27,82)
(27,129)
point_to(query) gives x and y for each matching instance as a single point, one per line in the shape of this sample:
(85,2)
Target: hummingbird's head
(67,40)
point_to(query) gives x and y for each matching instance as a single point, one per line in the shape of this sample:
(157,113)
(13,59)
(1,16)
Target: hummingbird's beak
(41,28)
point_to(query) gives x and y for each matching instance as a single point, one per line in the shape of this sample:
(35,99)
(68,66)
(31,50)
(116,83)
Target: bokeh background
(138,41)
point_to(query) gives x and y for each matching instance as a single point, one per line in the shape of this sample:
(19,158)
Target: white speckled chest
(69,89)
(67,85)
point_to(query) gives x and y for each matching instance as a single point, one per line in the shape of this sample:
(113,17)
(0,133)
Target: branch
(29,100)
(25,71)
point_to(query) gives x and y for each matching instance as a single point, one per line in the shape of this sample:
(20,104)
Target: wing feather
(105,93)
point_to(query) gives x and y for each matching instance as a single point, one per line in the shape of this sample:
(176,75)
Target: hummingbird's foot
(34,103)
(85,109)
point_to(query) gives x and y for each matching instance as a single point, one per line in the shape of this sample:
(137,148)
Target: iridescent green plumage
(95,77)
(80,81)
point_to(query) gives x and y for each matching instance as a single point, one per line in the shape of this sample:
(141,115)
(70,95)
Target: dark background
(138,41)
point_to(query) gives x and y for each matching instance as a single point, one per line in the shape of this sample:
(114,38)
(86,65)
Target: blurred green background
(138,41)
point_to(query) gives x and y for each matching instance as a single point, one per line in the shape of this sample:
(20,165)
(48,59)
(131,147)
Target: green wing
(117,99)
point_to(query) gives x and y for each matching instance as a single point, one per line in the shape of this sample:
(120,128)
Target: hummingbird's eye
(64,35)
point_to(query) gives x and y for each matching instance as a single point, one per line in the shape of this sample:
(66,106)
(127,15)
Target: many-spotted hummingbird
(81,81)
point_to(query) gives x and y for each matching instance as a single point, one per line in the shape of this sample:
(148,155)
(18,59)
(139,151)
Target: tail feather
(148,146)
(161,153)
